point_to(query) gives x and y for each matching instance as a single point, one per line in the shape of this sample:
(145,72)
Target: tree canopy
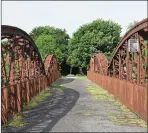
(97,36)
(130,25)
(51,40)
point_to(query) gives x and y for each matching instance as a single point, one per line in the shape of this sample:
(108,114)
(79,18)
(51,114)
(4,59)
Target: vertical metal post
(119,64)
(113,68)
(127,61)
(138,63)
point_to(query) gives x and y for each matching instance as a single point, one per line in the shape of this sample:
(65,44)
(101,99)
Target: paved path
(67,111)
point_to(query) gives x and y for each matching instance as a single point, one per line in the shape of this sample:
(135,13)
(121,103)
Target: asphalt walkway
(73,110)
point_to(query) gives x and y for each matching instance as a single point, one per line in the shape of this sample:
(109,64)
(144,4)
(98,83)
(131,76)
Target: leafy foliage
(95,37)
(130,25)
(51,40)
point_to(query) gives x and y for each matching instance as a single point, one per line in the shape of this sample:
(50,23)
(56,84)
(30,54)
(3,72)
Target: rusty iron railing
(99,63)
(126,75)
(23,73)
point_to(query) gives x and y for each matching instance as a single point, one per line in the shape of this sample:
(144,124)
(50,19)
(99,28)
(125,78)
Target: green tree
(51,40)
(95,37)
(130,25)
(46,45)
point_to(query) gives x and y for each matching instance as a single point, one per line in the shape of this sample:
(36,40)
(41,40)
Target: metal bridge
(23,73)
(126,74)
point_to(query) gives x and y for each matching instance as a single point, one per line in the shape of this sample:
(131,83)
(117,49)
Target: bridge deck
(75,110)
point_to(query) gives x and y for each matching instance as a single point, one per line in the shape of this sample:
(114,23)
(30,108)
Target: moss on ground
(54,86)
(126,119)
(99,93)
(88,113)
(59,88)
(120,118)
(79,76)
(36,100)
(17,119)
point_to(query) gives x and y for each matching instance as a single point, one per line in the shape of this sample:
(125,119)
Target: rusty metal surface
(129,94)
(21,59)
(23,73)
(51,68)
(99,63)
(127,72)
(132,67)
(142,25)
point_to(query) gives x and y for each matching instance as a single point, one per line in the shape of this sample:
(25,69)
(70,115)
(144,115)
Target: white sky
(70,14)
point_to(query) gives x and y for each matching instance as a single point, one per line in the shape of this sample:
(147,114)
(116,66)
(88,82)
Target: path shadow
(64,81)
(45,115)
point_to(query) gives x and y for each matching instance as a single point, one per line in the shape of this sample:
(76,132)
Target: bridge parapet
(99,63)
(126,75)
(23,73)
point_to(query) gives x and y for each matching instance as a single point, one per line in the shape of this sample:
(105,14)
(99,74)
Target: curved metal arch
(51,68)
(142,25)
(11,30)
(128,70)
(131,66)
(23,72)
(48,63)
(21,59)
(99,63)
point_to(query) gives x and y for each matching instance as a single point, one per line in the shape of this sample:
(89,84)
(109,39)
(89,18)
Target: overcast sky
(70,14)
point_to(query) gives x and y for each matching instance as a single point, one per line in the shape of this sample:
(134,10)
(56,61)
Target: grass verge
(17,119)
(79,76)
(57,87)
(124,116)
(54,86)
(36,100)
